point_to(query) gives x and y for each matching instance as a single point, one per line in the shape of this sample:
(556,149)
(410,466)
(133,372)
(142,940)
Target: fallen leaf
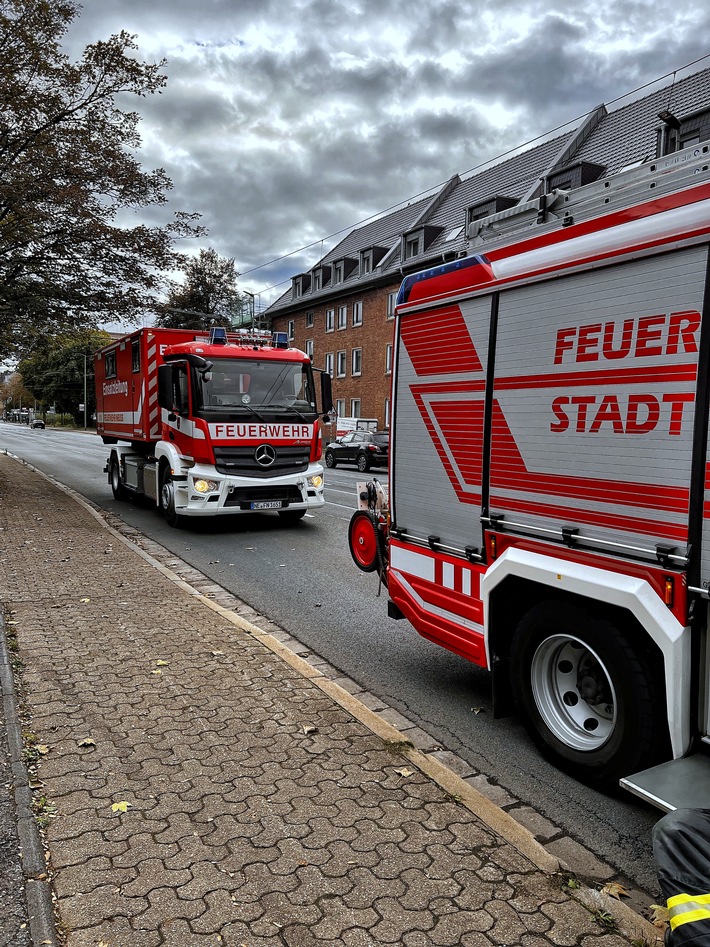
(615,890)
(42,748)
(216,653)
(659,916)
(476,710)
(404,771)
(87,741)
(308,728)
(84,600)
(122,806)
(156,672)
(162,664)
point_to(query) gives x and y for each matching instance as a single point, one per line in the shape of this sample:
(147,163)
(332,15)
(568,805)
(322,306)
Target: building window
(329,363)
(354,407)
(309,348)
(391,303)
(310,319)
(387,412)
(291,329)
(339,272)
(317,281)
(329,320)
(342,364)
(342,317)
(388,359)
(356,362)
(411,246)
(340,408)
(365,262)
(357,313)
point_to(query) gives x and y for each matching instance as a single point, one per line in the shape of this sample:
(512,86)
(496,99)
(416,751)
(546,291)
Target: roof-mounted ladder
(561,208)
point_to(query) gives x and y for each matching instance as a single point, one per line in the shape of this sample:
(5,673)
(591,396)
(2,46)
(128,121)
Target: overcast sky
(287,121)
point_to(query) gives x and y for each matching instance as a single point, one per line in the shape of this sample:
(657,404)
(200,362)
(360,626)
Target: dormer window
(412,246)
(366,262)
(343,268)
(676,133)
(574,175)
(300,284)
(317,280)
(494,205)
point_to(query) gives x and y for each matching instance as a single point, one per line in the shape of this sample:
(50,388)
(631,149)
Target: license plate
(266,505)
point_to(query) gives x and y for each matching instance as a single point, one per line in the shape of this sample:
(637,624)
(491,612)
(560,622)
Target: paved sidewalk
(202,786)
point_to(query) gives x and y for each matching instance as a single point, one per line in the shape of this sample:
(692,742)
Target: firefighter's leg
(681,848)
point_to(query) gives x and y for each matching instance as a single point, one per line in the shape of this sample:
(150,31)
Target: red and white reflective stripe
(446,573)
(153,407)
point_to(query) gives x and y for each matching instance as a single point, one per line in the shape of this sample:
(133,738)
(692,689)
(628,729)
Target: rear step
(677,784)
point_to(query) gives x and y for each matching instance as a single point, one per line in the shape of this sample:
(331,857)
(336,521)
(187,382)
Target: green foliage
(208,296)
(54,374)
(68,175)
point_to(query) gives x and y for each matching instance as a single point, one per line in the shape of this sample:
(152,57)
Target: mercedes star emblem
(265,455)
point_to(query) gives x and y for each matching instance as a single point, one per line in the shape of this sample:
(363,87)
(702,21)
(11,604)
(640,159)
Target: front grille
(244,496)
(241,462)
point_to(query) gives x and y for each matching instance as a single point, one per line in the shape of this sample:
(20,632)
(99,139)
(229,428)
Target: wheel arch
(518,580)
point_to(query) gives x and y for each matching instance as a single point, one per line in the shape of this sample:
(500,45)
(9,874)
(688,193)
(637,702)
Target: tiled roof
(625,134)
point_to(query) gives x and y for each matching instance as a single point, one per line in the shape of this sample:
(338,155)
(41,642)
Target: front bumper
(233,495)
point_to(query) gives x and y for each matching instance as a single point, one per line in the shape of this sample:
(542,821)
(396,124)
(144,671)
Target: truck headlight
(206,486)
(315,482)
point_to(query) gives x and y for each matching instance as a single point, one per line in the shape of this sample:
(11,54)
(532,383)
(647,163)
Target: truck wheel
(290,517)
(330,460)
(363,463)
(117,487)
(167,499)
(584,694)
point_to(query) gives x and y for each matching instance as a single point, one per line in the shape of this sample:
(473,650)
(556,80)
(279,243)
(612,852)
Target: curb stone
(628,922)
(38,889)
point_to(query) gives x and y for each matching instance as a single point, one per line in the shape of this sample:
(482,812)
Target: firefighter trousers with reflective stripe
(681,848)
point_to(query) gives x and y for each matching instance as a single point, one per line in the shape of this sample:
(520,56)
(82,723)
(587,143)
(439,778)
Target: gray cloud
(284,123)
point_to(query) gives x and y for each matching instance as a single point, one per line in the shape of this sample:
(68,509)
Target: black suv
(364,448)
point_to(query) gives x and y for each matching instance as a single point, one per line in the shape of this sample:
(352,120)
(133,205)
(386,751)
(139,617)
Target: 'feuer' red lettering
(665,334)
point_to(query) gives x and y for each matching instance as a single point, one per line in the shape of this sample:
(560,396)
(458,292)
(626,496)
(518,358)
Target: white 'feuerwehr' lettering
(276,432)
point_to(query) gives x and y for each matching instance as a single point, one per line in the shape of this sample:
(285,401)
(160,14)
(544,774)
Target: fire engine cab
(211,424)
(548,513)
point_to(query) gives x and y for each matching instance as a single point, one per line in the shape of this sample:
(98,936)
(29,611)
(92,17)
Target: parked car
(37,422)
(365,449)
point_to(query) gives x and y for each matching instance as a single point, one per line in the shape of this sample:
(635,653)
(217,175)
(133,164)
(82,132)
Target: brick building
(341,312)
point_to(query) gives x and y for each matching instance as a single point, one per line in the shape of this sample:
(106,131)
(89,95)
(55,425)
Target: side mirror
(326,392)
(165,387)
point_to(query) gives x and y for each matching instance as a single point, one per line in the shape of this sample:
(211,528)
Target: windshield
(255,385)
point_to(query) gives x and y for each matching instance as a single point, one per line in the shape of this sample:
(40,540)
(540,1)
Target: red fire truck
(211,424)
(549,509)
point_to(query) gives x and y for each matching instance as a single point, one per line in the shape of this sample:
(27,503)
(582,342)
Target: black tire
(587,697)
(167,499)
(291,517)
(117,487)
(330,460)
(363,462)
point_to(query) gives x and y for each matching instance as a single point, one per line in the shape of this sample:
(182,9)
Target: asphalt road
(303,578)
